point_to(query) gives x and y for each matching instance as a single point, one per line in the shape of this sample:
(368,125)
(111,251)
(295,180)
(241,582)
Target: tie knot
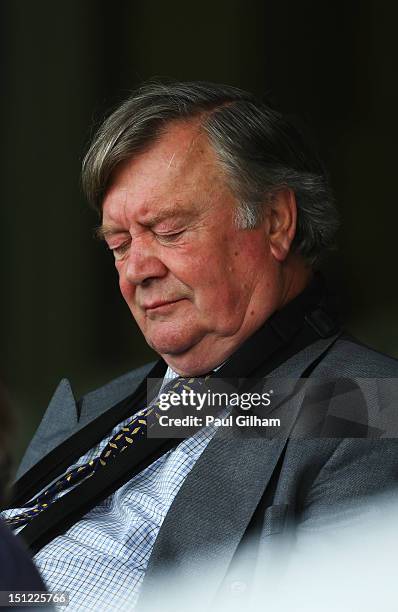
(188,383)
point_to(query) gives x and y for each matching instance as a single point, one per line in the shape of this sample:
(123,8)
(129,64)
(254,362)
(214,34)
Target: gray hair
(260,150)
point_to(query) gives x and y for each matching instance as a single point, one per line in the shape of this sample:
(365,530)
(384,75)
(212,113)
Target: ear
(281,214)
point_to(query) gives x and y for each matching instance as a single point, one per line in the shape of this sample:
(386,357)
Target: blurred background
(65,64)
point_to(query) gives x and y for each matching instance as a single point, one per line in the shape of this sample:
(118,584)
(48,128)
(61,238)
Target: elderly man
(215,209)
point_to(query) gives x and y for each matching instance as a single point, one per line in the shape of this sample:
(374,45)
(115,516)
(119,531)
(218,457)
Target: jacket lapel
(212,511)
(59,421)
(209,516)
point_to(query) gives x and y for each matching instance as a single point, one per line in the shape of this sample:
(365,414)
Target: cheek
(218,291)
(208,273)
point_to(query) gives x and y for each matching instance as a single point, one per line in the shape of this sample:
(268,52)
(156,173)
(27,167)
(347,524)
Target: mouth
(161,305)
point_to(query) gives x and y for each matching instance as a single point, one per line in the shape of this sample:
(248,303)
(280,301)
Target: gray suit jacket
(245,488)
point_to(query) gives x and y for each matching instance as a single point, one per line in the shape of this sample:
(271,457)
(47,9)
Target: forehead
(178,171)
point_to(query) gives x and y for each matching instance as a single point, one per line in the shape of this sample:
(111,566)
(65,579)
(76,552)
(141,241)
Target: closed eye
(167,238)
(121,250)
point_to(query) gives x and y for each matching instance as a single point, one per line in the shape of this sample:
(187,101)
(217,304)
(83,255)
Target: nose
(143,263)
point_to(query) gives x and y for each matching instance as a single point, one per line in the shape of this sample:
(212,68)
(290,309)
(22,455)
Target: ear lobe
(282,221)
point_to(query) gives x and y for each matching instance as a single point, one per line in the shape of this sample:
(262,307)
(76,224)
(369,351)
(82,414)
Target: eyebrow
(103,231)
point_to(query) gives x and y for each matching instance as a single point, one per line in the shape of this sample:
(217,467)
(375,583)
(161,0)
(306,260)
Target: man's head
(213,206)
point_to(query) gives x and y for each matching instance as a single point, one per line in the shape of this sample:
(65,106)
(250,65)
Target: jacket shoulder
(348,357)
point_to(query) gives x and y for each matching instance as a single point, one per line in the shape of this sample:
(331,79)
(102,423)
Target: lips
(160,304)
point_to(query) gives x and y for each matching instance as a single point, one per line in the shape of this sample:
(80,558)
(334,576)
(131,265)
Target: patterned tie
(131,433)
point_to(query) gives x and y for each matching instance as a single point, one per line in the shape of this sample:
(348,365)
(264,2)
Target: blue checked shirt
(101,560)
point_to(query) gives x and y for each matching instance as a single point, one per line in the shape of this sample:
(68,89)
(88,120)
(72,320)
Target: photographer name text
(240,420)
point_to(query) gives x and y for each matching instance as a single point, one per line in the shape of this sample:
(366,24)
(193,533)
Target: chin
(166,344)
